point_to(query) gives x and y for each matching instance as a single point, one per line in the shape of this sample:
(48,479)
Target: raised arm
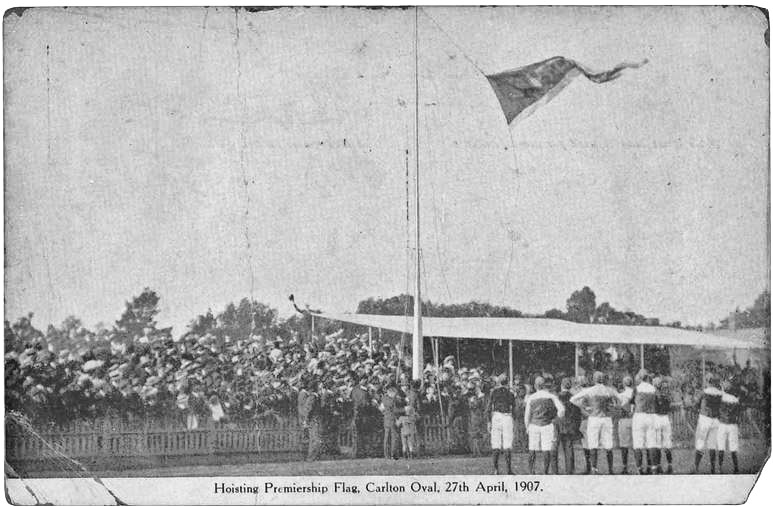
(560,409)
(526,411)
(578,399)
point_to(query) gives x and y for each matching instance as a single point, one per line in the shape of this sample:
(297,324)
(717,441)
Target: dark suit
(360,404)
(392,410)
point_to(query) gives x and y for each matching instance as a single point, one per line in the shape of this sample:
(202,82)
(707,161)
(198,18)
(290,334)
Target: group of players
(555,420)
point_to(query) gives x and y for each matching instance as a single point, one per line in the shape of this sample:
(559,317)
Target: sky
(214,154)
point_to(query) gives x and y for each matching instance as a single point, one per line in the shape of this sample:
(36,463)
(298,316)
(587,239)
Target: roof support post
(510,360)
(576,360)
(703,367)
(641,356)
(370,341)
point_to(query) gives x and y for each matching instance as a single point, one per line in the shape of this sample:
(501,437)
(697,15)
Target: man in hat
(710,402)
(599,401)
(500,414)
(391,409)
(542,407)
(360,404)
(729,415)
(312,411)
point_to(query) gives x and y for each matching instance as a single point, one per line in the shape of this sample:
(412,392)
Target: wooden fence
(268,439)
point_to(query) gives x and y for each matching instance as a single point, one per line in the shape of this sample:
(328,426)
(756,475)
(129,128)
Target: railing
(269,439)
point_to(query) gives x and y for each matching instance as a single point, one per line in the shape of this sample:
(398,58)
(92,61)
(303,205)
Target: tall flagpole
(418,342)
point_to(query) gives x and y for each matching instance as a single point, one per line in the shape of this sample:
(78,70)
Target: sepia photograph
(386,255)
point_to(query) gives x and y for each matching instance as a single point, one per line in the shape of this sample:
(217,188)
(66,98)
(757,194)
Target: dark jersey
(570,423)
(710,402)
(662,403)
(501,400)
(729,409)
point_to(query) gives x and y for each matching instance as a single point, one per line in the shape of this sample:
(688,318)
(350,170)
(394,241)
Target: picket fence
(268,439)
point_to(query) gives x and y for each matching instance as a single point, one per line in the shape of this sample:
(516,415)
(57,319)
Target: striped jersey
(542,407)
(599,400)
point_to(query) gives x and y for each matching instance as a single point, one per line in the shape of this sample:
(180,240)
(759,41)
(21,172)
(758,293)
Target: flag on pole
(521,91)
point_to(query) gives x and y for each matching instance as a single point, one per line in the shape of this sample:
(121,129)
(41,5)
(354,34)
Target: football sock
(532,459)
(734,456)
(698,456)
(509,461)
(713,459)
(586,452)
(495,456)
(610,461)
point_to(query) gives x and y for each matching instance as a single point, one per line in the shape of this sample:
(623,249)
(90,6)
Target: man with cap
(360,404)
(312,411)
(710,402)
(729,415)
(391,409)
(542,407)
(599,401)
(624,423)
(568,426)
(500,412)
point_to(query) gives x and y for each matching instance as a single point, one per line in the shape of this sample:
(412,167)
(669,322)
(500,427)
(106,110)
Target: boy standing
(407,425)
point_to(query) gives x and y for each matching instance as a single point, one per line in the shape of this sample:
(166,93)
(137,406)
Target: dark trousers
(358,436)
(315,439)
(566,445)
(391,439)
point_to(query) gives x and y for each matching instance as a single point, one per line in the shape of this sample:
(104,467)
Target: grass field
(751,459)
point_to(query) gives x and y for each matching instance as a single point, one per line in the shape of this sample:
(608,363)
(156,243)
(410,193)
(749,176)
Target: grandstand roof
(544,330)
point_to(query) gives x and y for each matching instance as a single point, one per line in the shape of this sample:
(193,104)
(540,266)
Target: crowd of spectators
(198,379)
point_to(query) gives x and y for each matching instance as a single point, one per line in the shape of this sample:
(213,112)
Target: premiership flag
(521,91)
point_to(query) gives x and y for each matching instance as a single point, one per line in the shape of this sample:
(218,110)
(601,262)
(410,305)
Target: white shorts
(501,431)
(663,431)
(643,431)
(541,437)
(727,437)
(600,433)
(624,433)
(706,433)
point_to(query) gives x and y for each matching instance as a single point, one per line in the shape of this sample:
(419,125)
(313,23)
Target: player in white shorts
(542,408)
(727,431)
(643,422)
(710,400)
(599,401)
(500,410)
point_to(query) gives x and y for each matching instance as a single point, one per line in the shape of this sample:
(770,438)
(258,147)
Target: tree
(555,313)
(139,314)
(581,305)
(603,313)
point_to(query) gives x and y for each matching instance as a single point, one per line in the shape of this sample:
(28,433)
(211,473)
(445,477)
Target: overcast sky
(211,154)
